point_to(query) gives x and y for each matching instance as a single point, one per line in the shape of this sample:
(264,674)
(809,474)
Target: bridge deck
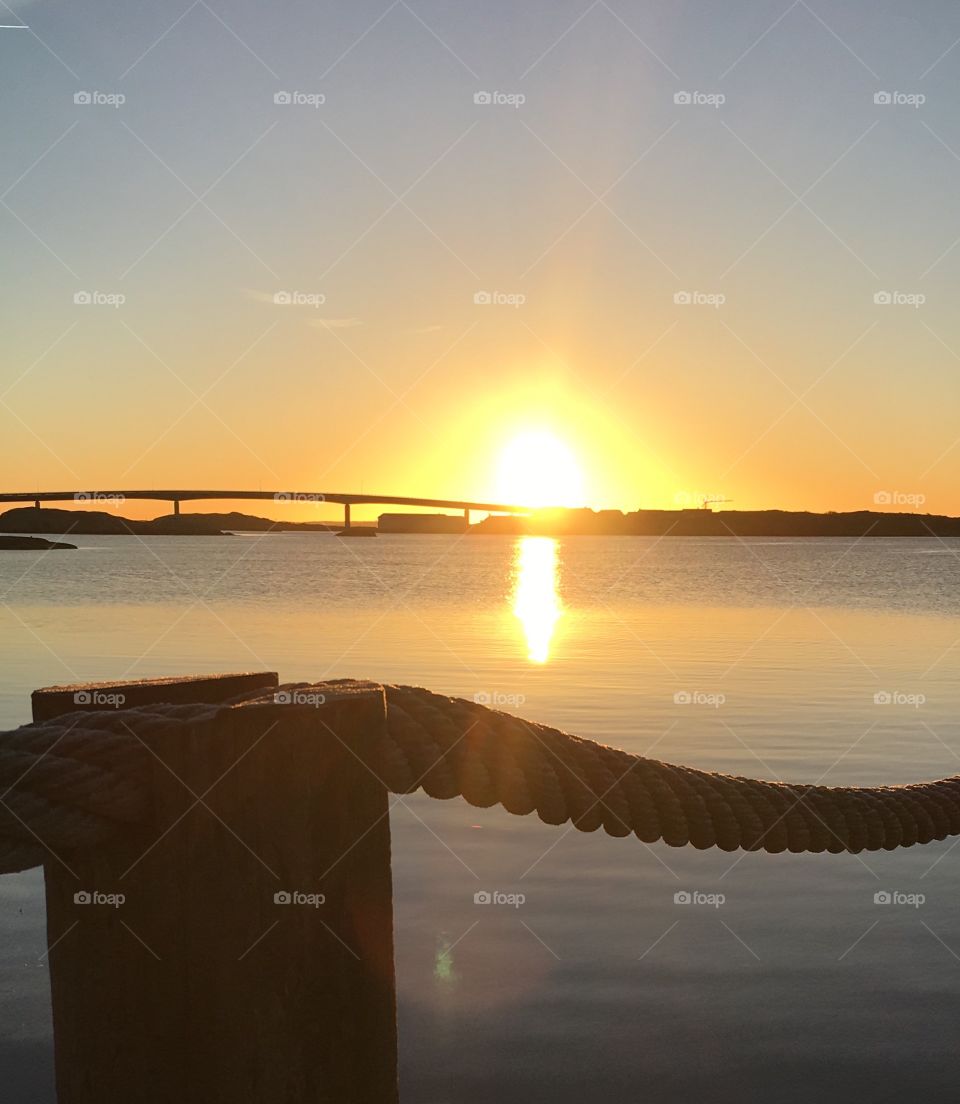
(177,496)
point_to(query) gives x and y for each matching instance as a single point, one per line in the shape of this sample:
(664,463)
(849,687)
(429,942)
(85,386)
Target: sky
(712,249)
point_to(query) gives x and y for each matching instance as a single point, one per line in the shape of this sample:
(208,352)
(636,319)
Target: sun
(538,469)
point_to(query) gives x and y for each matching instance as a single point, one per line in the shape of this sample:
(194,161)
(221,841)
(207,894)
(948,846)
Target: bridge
(91,498)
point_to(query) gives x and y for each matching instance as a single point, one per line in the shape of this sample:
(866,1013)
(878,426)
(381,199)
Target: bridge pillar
(466,519)
(36,504)
(176,507)
(346,515)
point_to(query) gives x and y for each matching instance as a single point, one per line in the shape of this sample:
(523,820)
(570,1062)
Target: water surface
(809,660)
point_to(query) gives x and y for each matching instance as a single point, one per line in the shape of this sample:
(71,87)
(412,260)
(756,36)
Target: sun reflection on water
(536,600)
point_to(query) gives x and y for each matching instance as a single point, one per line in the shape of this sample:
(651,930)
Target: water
(808,660)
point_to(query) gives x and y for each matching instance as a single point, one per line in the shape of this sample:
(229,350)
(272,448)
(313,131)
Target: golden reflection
(536,601)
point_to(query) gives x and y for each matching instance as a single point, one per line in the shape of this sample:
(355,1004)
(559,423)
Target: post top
(54,701)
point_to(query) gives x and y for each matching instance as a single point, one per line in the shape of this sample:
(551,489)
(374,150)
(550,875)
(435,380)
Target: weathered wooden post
(242,949)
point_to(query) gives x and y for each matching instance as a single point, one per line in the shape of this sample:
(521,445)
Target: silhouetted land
(645,523)
(28,519)
(726,523)
(30,544)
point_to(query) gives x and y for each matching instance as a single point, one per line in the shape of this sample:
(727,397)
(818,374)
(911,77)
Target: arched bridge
(91,498)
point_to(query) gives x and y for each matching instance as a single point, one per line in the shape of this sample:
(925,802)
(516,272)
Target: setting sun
(538,469)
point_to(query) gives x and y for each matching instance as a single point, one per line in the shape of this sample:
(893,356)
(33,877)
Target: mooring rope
(75,781)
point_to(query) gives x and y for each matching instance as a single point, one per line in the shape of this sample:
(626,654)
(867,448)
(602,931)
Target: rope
(76,781)
(450,747)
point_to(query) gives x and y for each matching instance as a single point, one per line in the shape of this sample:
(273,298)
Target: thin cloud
(259,296)
(423,330)
(335,323)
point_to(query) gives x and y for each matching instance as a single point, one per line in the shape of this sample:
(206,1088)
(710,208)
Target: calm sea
(810,660)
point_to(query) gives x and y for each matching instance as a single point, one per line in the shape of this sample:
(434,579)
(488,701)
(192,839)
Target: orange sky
(752,299)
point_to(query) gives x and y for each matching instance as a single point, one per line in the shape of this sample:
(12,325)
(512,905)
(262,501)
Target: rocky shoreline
(30,544)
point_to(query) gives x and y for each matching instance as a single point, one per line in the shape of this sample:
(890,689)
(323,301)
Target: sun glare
(536,601)
(538,469)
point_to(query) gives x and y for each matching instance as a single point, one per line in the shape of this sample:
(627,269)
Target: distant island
(30,544)
(553,523)
(47,519)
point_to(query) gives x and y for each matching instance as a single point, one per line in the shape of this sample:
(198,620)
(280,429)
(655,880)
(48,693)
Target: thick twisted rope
(75,781)
(452,747)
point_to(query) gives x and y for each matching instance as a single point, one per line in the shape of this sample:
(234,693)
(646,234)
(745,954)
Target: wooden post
(54,701)
(242,949)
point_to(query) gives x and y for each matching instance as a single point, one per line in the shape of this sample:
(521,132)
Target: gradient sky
(599,199)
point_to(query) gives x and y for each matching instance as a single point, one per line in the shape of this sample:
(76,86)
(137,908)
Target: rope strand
(76,781)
